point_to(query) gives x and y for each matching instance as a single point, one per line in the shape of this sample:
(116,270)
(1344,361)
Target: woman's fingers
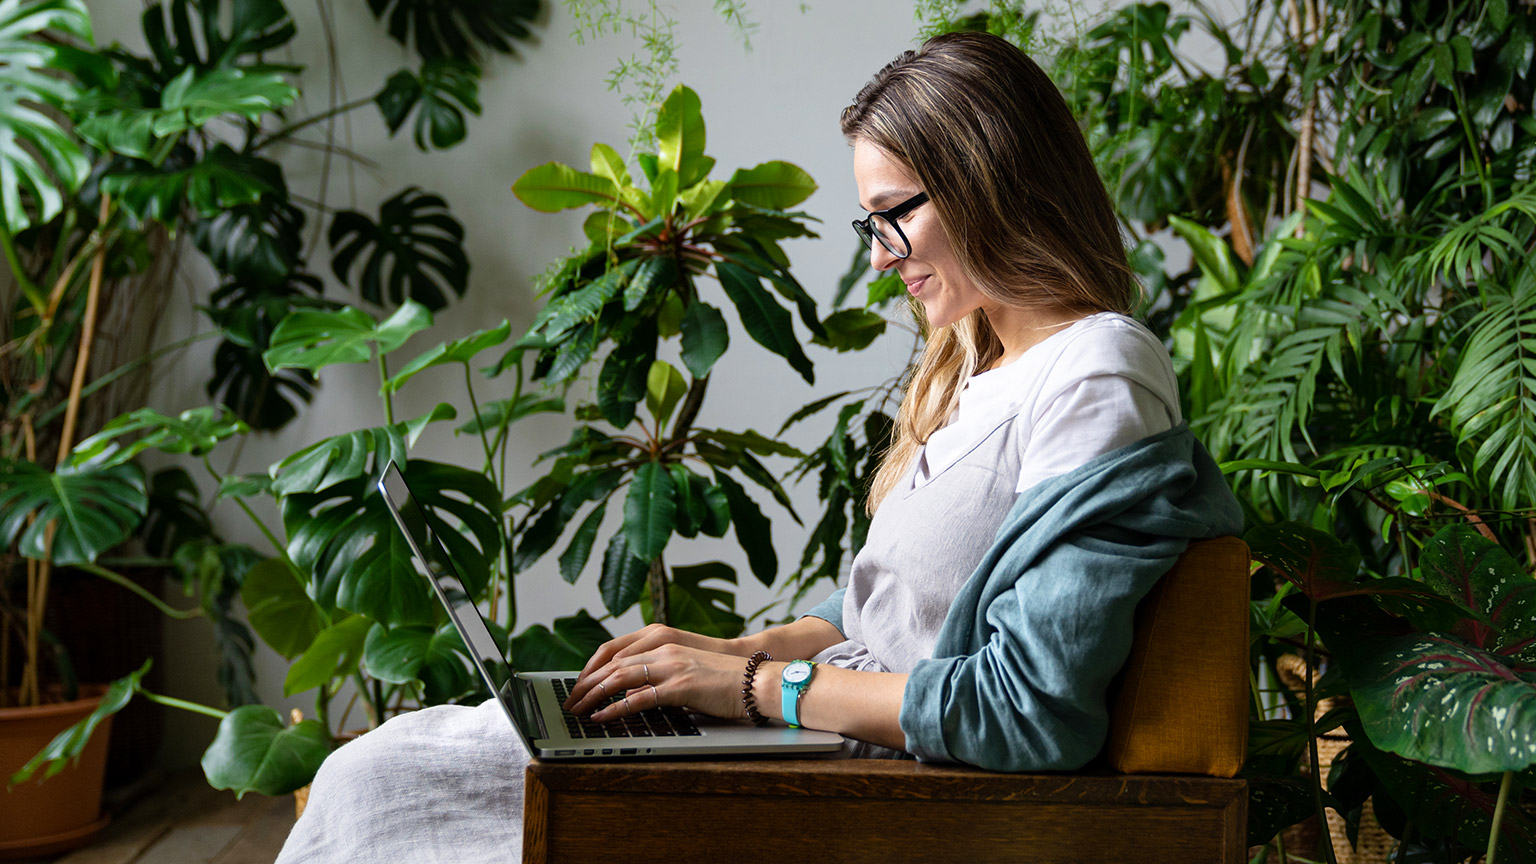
(616,678)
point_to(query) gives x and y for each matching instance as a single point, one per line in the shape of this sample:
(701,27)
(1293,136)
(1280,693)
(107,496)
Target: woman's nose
(880,257)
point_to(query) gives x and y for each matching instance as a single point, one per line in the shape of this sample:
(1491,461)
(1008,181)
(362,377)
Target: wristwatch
(793,684)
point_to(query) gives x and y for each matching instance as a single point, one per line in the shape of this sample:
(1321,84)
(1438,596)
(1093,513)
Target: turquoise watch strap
(793,684)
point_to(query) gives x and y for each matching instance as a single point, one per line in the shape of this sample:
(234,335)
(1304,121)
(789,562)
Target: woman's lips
(916,285)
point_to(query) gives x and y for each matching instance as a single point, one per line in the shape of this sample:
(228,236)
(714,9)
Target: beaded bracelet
(747,700)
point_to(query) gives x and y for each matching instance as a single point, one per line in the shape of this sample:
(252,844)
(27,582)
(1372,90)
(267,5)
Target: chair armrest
(872,810)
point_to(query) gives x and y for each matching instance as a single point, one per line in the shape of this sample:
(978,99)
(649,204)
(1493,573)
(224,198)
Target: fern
(1492,397)
(1498,235)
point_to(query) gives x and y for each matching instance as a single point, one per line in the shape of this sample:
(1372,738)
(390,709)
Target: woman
(1040,481)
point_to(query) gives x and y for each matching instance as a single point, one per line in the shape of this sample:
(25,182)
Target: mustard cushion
(1181,704)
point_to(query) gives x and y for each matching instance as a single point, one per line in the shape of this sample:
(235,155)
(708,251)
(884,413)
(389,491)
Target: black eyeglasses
(882,226)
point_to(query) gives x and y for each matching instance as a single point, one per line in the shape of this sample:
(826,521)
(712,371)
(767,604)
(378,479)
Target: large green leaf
(352,552)
(664,388)
(339,458)
(279,610)
(91,509)
(38,159)
(650,511)
(553,187)
(573,639)
(258,244)
(680,139)
(418,655)
(621,383)
(67,745)
(574,559)
(457,351)
(443,92)
(623,576)
(772,185)
(219,180)
(254,752)
(1460,563)
(753,529)
(1435,699)
(333,654)
(195,431)
(254,27)
(189,101)
(764,319)
(457,28)
(851,330)
(417,251)
(707,610)
(313,339)
(704,338)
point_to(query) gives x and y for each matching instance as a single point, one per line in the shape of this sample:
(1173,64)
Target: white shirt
(1086,390)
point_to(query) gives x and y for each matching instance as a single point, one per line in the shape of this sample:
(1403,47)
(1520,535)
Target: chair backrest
(1181,704)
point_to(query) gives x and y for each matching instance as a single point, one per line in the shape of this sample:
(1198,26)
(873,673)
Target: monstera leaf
(313,339)
(38,159)
(196,431)
(456,28)
(415,251)
(220,180)
(259,244)
(92,509)
(354,557)
(443,92)
(419,655)
(247,313)
(567,646)
(254,27)
(254,752)
(189,101)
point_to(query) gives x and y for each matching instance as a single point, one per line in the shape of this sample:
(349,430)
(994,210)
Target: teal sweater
(1018,677)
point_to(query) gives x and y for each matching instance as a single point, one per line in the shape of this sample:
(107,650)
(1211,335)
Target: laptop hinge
(528,705)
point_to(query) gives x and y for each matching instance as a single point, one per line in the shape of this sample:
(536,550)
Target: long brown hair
(992,142)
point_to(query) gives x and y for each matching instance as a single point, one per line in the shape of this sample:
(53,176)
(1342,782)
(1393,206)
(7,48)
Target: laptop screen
(432,557)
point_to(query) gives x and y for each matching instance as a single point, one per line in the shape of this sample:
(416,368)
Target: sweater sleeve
(830,610)
(1033,696)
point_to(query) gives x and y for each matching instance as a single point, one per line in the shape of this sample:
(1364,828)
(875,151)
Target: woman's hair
(1015,189)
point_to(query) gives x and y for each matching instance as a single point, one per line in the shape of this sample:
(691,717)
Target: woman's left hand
(704,681)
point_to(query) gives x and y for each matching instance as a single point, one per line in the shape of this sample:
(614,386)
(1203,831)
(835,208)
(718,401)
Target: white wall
(780,100)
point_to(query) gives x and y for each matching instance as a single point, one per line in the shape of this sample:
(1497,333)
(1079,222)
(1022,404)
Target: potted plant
(108,155)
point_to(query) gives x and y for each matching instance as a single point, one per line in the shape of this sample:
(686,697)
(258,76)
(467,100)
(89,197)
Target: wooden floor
(186,822)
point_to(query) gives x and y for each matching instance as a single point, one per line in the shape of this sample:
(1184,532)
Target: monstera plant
(111,162)
(642,278)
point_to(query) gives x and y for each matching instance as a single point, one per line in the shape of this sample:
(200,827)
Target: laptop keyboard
(667,721)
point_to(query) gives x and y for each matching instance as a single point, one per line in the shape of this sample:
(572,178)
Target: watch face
(797,672)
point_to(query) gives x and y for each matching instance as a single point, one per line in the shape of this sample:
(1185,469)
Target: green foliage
(457,28)
(254,752)
(415,242)
(441,94)
(67,745)
(72,515)
(640,281)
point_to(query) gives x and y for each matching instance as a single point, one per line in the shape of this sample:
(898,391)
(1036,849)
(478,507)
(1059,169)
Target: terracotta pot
(51,816)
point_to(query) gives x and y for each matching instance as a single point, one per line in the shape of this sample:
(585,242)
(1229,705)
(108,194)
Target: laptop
(531,700)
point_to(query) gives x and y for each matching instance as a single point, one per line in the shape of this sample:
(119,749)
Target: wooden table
(874,811)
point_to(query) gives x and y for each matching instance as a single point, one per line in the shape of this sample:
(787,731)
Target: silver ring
(647,669)
(657,695)
(603,687)
(627,709)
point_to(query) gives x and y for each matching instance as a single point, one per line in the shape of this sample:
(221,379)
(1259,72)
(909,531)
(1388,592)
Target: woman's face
(932,271)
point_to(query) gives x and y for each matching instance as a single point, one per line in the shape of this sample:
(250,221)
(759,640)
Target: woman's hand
(670,674)
(647,638)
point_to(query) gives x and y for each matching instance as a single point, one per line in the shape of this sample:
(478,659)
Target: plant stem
(1498,815)
(19,273)
(474,405)
(271,538)
(119,579)
(1311,709)
(657,580)
(173,702)
(389,402)
(286,131)
(87,338)
(323,706)
(368,707)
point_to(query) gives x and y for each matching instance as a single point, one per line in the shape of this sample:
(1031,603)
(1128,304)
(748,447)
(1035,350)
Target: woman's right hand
(648,638)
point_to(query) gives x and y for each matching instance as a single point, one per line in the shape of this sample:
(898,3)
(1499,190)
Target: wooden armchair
(1162,793)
